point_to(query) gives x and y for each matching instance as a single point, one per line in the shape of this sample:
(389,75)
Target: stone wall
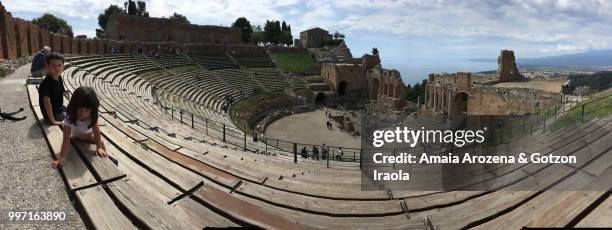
(34,38)
(44,38)
(7,34)
(506,67)
(146,29)
(489,100)
(345,79)
(385,86)
(281,49)
(450,95)
(340,53)
(313,38)
(19,38)
(364,82)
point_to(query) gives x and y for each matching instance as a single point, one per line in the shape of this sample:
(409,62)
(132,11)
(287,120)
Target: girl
(82,123)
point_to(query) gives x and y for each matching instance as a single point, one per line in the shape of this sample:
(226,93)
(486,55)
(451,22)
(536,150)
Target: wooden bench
(97,206)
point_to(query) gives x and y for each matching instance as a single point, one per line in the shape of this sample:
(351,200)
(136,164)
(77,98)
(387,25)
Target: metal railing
(554,118)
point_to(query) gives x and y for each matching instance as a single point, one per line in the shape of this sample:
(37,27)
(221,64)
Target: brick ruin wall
(506,67)
(489,100)
(20,38)
(442,92)
(7,34)
(34,39)
(362,82)
(134,28)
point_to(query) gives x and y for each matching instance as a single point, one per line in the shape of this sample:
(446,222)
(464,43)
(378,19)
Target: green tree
(284,26)
(277,27)
(142,9)
(257,37)
(53,24)
(100,33)
(257,28)
(270,34)
(245,28)
(179,18)
(277,33)
(285,38)
(132,9)
(408,92)
(103,18)
(374,51)
(338,35)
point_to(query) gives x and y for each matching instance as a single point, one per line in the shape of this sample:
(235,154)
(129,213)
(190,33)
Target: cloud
(79,9)
(535,26)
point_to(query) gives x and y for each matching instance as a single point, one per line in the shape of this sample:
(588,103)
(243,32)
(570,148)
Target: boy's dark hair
(83,97)
(54,55)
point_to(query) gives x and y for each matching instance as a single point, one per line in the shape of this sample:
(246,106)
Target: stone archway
(459,104)
(320,99)
(342,88)
(374,89)
(458,110)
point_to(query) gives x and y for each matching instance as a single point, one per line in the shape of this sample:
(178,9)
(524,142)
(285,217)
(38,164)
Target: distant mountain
(592,59)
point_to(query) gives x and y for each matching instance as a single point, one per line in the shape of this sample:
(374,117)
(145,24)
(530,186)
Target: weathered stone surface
(506,67)
(340,53)
(313,38)
(134,28)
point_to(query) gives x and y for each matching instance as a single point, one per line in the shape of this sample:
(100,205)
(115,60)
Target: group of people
(227,101)
(338,154)
(79,120)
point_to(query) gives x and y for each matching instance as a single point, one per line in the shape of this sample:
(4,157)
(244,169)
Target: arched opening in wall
(374,91)
(169,39)
(320,99)
(342,87)
(459,110)
(460,103)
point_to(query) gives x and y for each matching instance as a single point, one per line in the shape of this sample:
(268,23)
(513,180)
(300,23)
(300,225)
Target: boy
(51,90)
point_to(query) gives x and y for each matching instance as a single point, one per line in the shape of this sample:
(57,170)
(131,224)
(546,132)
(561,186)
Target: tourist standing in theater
(304,152)
(38,63)
(315,152)
(324,152)
(339,154)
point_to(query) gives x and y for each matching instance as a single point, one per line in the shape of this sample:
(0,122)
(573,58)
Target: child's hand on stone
(58,163)
(101,152)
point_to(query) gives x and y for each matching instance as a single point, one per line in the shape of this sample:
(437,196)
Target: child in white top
(82,123)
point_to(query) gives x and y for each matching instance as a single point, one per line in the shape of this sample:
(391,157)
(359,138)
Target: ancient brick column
(7,34)
(74,43)
(21,37)
(34,33)
(66,47)
(44,38)
(506,67)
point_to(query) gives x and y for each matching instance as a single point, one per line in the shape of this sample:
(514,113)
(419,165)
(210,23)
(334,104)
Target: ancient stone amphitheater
(177,173)
(191,168)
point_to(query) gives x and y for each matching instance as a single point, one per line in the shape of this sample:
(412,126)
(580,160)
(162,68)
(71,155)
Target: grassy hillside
(300,62)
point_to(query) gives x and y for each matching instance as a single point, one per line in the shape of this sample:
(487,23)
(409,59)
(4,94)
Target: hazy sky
(412,35)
